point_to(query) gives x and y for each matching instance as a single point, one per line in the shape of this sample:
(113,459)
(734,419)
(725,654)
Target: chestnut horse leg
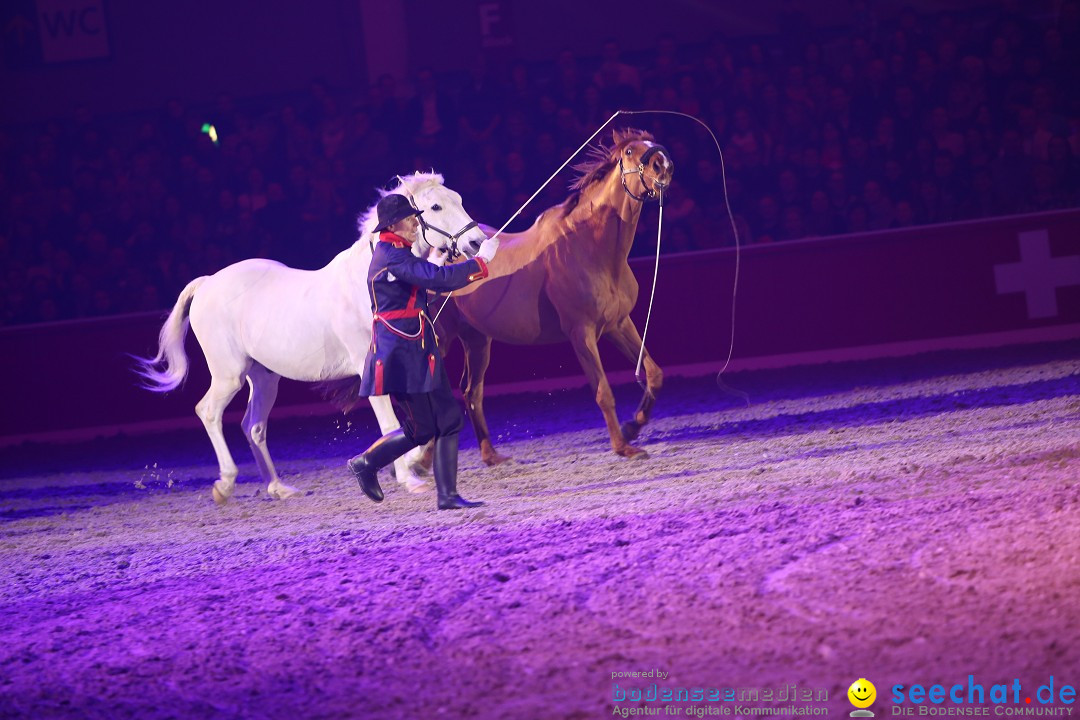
(477,356)
(584,341)
(626,338)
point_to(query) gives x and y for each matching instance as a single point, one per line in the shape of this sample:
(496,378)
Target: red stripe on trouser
(378,377)
(431,365)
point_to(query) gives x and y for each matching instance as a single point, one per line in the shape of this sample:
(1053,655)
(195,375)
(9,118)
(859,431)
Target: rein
(652,293)
(734,232)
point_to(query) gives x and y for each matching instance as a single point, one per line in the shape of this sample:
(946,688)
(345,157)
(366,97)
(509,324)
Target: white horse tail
(167,370)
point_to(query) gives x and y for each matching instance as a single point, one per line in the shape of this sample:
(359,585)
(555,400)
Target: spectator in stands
(767,224)
(619,82)
(820,221)
(432,117)
(879,207)
(1012,172)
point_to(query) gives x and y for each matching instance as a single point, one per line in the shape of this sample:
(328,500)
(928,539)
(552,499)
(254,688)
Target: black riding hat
(393,208)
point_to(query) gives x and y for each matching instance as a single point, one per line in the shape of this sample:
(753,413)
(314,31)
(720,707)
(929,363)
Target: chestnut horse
(567,278)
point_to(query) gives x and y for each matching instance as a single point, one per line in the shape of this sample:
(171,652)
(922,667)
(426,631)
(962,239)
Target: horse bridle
(640,172)
(451,249)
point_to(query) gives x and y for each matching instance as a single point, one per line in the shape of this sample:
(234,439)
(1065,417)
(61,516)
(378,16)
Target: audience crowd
(886,123)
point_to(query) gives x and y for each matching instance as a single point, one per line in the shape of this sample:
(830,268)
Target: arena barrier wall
(1000,280)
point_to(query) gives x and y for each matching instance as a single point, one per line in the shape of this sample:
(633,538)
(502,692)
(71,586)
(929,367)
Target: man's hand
(487,249)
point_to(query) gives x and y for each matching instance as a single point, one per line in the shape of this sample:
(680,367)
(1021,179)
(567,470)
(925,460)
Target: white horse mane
(412,184)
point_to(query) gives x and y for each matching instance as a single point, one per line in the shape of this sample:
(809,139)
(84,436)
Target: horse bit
(640,171)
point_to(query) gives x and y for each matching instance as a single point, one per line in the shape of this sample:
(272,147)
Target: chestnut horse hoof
(632,453)
(495,459)
(630,430)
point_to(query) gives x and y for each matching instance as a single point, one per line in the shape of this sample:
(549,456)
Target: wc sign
(71,30)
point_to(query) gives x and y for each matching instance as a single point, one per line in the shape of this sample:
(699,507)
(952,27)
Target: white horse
(258,320)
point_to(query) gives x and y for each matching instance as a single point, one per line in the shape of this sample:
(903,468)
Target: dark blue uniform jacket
(404,357)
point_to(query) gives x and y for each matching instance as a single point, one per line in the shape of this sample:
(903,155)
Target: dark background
(842,117)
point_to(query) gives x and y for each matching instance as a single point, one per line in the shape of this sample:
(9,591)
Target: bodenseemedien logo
(862,694)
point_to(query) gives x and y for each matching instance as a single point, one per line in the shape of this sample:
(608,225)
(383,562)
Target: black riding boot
(446,450)
(366,466)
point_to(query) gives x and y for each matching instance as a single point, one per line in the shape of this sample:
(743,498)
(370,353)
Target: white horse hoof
(417,485)
(219,499)
(281,491)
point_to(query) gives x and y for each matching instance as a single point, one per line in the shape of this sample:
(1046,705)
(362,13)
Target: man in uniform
(404,360)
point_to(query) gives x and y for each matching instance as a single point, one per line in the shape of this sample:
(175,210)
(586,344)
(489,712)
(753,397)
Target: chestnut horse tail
(168,369)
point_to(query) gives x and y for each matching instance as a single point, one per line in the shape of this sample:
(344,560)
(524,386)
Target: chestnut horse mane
(599,161)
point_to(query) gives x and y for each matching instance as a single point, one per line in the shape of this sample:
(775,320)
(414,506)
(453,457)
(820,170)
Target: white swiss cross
(1038,275)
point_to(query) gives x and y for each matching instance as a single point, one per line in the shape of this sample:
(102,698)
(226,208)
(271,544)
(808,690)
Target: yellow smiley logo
(862,693)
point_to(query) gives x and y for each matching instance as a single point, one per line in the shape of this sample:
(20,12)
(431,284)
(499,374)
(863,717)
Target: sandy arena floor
(908,521)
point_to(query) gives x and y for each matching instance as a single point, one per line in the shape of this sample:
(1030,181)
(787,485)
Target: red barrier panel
(991,276)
